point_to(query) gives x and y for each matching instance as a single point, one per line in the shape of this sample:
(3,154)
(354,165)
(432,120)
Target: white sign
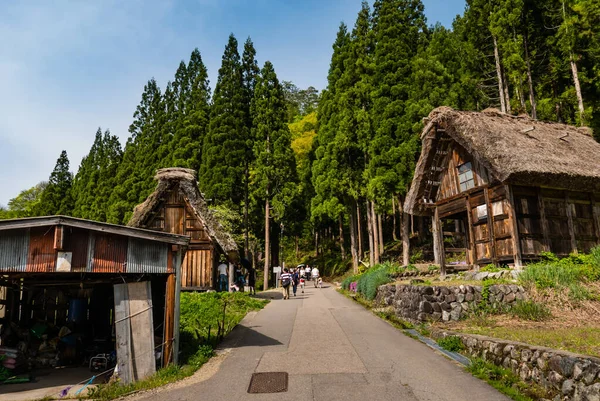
(63,261)
(276,269)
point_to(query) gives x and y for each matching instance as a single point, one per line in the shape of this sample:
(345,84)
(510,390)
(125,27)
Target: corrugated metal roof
(151,235)
(110,254)
(14,246)
(146,256)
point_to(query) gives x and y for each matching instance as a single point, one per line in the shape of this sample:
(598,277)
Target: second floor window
(465,176)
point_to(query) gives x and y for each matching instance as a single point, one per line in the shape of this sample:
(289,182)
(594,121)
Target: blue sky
(68,67)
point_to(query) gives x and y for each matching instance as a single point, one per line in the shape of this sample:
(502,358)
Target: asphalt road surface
(332,349)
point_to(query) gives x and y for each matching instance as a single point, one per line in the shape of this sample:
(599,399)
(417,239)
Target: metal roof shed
(42,253)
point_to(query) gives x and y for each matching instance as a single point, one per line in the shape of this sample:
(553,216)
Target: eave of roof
(44,221)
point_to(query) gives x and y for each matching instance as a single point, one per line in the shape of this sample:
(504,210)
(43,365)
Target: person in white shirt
(286,282)
(307,272)
(315,276)
(223,281)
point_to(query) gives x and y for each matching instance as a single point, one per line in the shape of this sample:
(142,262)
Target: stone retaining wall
(567,375)
(427,303)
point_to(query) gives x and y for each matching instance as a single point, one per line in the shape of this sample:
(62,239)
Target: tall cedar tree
(224,149)
(275,168)
(57,198)
(398,26)
(192,112)
(96,178)
(250,73)
(327,204)
(142,156)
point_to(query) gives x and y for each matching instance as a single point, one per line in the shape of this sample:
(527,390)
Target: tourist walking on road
(315,276)
(307,272)
(286,281)
(295,280)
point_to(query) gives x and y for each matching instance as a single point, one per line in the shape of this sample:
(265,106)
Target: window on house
(465,176)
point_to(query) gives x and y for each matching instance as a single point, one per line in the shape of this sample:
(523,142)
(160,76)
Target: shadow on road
(246,336)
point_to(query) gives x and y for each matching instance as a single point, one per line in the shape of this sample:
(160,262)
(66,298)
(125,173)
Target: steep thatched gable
(185,180)
(517,150)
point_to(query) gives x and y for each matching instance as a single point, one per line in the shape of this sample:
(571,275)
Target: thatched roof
(185,180)
(517,150)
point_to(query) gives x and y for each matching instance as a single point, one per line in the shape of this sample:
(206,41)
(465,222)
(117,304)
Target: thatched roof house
(178,207)
(547,174)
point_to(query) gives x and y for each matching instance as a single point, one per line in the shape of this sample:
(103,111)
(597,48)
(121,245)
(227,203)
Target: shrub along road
(332,349)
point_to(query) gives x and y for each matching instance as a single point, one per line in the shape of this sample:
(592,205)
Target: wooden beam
(490,223)
(512,215)
(59,238)
(596,217)
(570,221)
(440,242)
(471,239)
(169,318)
(178,260)
(544,220)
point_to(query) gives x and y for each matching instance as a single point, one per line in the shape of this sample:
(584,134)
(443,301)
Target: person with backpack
(295,280)
(286,281)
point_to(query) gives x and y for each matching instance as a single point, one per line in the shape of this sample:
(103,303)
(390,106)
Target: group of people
(240,279)
(297,277)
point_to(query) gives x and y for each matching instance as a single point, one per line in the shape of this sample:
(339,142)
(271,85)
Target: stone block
(562,365)
(460,297)
(450,298)
(481,276)
(455,314)
(567,387)
(425,307)
(508,298)
(525,372)
(436,316)
(590,373)
(465,306)
(436,307)
(555,380)
(445,306)
(445,316)
(469,297)
(526,355)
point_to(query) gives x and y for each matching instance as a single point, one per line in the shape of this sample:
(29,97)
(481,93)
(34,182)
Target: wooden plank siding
(176,216)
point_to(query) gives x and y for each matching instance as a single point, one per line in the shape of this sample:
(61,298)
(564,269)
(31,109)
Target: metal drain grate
(268,382)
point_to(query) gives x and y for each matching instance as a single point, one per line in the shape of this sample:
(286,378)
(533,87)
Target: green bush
(451,343)
(530,310)
(378,275)
(490,268)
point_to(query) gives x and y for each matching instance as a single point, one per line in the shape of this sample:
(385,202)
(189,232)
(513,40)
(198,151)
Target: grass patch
(366,283)
(580,340)
(530,310)
(505,381)
(205,319)
(451,343)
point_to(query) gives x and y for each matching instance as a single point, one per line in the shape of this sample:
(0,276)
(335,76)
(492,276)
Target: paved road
(333,349)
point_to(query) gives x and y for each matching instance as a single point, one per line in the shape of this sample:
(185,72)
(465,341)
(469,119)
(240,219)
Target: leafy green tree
(25,203)
(57,197)
(224,148)
(275,167)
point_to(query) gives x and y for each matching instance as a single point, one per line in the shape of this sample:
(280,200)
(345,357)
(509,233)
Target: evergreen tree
(398,26)
(57,198)
(275,168)
(142,155)
(192,94)
(224,148)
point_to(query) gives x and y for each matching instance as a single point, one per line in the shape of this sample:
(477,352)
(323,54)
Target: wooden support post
(471,234)
(490,223)
(512,215)
(169,318)
(544,221)
(437,226)
(570,221)
(177,263)
(595,217)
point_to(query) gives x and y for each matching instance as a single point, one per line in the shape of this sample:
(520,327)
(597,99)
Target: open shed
(177,206)
(73,289)
(502,189)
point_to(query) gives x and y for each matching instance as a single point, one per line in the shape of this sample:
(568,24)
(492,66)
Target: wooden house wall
(449,182)
(557,221)
(176,216)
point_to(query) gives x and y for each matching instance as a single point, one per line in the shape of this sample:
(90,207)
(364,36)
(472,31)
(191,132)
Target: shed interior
(67,320)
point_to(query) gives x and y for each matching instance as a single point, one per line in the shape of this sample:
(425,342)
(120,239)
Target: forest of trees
(328,172)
